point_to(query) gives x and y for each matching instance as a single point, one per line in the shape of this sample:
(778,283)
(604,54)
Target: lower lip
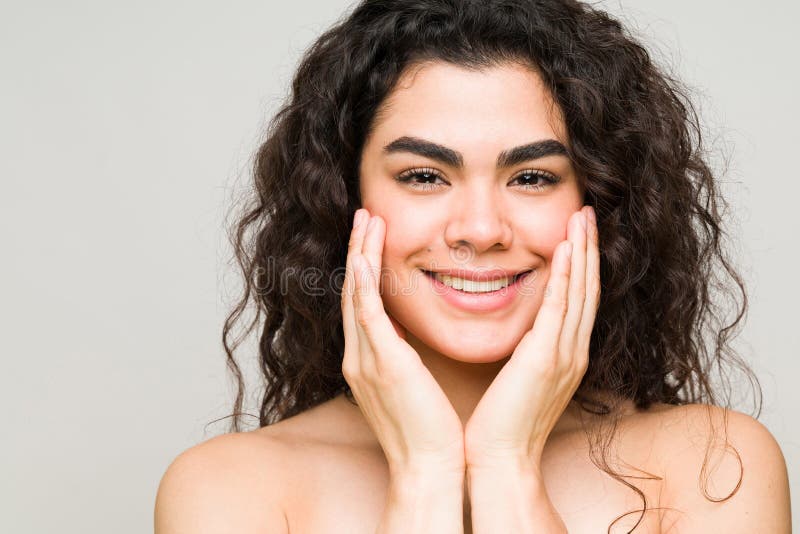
(478,302)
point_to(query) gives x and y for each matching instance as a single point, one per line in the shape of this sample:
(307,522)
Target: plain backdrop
(126,131)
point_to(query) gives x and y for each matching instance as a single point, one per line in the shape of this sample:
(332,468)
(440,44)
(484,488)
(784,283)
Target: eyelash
(407,176)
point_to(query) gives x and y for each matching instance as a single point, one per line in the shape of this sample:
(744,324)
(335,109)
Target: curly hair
(633,133)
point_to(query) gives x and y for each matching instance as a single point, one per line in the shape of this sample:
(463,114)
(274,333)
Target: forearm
(423,504)
(506,499)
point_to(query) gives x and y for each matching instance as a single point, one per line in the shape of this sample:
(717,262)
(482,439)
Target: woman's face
(475,203)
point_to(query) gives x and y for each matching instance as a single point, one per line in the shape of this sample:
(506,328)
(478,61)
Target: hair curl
(634,135)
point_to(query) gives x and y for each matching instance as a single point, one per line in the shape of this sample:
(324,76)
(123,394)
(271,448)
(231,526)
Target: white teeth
(472,286)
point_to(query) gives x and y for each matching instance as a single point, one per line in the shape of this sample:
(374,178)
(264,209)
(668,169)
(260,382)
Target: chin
(478,349)
(477,356)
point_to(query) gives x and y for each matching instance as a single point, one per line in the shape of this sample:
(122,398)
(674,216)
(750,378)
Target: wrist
(508,497)
(424,468)
(523,456)
(419,477)
(505,465)
(416,485)
(422,500)
(412,487)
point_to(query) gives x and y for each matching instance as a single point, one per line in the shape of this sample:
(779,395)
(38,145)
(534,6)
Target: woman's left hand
(512,421)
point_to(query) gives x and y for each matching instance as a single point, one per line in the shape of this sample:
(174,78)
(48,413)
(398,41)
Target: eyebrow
(448,156)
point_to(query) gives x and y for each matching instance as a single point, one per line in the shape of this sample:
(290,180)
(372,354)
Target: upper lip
(480,275)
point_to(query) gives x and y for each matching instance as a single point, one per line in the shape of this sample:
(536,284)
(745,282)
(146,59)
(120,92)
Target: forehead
(501,105)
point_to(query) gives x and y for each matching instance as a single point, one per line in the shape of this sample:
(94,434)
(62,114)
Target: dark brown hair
(634,135)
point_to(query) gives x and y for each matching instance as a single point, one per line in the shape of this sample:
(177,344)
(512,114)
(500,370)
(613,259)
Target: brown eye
(535,180)
(422,179)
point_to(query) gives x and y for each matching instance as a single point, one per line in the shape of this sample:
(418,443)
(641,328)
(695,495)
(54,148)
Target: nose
(478,221)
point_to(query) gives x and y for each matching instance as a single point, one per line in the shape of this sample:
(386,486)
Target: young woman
(485,244)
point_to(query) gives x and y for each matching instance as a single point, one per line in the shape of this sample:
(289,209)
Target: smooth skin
(410,414)
(440,390)
(514,418)
(519,410)
(471,214)
(521,374)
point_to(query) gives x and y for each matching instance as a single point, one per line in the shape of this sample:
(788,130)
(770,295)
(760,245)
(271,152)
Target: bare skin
(474,216)
(500,224)
(326,470)
(480,114)
(333,453)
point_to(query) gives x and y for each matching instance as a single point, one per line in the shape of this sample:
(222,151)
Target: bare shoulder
(250,481)
(230,483)
(724,472)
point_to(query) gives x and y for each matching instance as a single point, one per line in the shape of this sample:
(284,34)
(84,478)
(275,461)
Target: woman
(513,238)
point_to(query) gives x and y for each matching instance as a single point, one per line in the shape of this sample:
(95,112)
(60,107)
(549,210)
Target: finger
(348,290)
(577,285)
(362,312)
(372,249)
(593,285)
(362,315)
(375,322)
(543,337)
(371,252)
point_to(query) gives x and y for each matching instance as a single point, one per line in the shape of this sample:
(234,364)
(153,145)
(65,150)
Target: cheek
(550,237)
(409,229)
(543,229)
(399,244)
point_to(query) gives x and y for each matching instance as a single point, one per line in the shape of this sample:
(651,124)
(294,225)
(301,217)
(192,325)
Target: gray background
(127,129)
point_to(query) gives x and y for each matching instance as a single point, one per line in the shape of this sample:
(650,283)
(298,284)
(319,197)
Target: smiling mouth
(473,286)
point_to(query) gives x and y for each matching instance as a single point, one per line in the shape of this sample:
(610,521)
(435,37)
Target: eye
(424,179)
(531,175)
(421,179)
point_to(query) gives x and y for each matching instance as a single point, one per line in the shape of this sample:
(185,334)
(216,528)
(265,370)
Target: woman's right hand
(413,419)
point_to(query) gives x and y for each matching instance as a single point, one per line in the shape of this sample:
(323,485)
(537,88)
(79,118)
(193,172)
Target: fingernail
(358,218)
(583,220)
(592,215)
(371,224)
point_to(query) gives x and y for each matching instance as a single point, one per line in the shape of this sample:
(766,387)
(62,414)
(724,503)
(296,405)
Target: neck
(464,384)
